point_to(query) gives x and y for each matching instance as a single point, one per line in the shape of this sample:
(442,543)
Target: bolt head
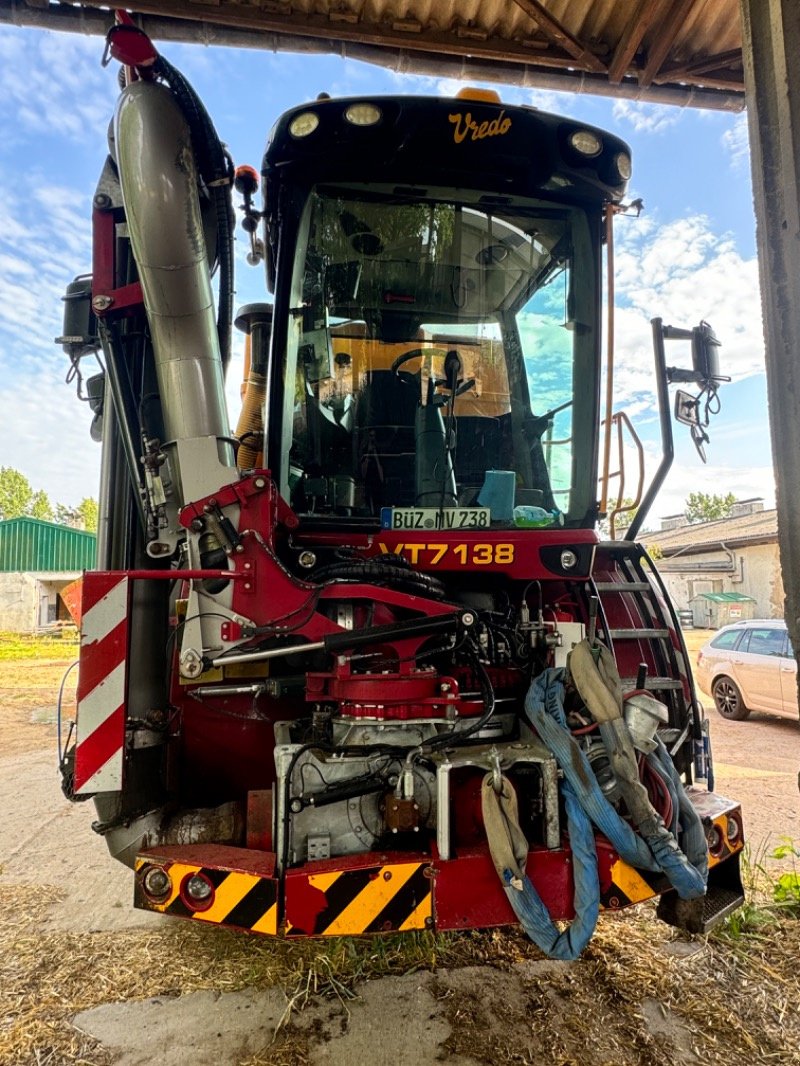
(102,303)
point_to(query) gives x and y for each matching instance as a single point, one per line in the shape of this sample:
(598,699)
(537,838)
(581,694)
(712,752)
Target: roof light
(623,163)
(303,124)
(586,142)
(484,96)
(363,114)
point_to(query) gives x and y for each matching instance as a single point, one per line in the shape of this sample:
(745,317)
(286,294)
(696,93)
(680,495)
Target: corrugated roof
(30,545)
(725,597)
(760,527)
(679,51)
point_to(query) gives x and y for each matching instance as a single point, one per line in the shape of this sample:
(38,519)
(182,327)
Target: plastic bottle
(528,517)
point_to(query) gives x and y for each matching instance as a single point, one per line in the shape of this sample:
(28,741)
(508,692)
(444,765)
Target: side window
(767,642)
(727,640)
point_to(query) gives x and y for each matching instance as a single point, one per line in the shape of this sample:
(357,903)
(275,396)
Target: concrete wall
(19,602)
(28,601)
(758,574)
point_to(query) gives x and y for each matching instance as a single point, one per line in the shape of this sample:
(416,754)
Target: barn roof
(686,52)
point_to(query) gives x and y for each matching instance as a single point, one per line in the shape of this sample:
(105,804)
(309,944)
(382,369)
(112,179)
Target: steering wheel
(418,353)
(415,353)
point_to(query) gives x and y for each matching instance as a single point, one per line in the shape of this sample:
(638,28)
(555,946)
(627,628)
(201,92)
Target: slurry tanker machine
(364,664)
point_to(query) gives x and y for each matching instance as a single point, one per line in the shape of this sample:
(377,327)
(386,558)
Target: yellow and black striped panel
(242,900)
(629,886)
(375,899)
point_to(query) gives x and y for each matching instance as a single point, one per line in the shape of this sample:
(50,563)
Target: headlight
(363,114)
(303,124)
(715,841)
(156,883)
(623,164)
(586,142)
(198,888)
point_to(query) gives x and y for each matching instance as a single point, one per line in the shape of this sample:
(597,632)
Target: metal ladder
(642,585)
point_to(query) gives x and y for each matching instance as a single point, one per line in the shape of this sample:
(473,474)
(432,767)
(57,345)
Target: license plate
(435,518)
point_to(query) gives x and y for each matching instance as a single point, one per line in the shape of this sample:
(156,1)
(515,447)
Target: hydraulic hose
(596,678)
(544,707)
(396,574)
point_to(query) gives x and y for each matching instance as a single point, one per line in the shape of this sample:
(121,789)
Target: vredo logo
(466,126)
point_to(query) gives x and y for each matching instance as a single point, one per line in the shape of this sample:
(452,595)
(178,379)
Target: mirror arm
(667,443)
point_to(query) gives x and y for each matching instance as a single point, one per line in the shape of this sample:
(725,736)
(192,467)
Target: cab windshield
(432,344)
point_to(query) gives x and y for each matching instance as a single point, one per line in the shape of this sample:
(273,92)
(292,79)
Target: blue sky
(690,256)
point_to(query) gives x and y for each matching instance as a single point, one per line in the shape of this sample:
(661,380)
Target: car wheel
(728,700)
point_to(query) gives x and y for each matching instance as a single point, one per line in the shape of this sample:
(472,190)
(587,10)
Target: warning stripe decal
(633,886)
(101,749)
(95,659)
(376,899)
(243,900)
(100,734)
(628,886)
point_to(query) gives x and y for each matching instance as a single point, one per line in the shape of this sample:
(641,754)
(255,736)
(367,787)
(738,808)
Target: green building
(37,562)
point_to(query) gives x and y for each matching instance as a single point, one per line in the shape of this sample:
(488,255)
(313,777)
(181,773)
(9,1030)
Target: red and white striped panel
(102,684)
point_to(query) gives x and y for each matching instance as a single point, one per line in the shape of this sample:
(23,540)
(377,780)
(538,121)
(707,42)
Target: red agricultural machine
(365,664)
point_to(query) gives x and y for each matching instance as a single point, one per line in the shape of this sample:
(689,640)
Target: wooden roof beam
(261,20)
(665,35)
(560,36)
(704,66)
(646,14)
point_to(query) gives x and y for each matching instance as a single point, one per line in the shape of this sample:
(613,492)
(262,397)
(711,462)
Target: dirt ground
(86,979)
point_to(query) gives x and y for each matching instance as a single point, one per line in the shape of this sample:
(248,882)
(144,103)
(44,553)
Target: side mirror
(705,355)
(687,408)
(692,411)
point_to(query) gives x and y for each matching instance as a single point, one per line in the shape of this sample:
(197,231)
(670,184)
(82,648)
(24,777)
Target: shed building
(736,555)
(37,561)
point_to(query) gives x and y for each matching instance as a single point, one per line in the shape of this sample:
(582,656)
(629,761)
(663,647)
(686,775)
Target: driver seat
(384,438)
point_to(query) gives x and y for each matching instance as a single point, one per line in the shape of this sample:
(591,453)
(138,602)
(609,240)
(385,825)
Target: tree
(87,510)
(16,493)
(40,506)
(622,520)
(67,516)
(707,507)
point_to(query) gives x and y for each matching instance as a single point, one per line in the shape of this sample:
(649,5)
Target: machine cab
(436,344)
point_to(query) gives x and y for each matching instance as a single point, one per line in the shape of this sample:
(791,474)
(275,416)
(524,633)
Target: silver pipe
(159,188)
(272,653)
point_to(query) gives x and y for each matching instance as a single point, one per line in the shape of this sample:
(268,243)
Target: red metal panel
(468,893)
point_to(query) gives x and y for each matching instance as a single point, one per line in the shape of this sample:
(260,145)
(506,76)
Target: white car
(750,666)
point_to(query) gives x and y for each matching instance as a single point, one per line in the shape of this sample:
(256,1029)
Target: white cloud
(736,141)
(44,433)
(646,118)
(52,88)
(689,474)
(684,273)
